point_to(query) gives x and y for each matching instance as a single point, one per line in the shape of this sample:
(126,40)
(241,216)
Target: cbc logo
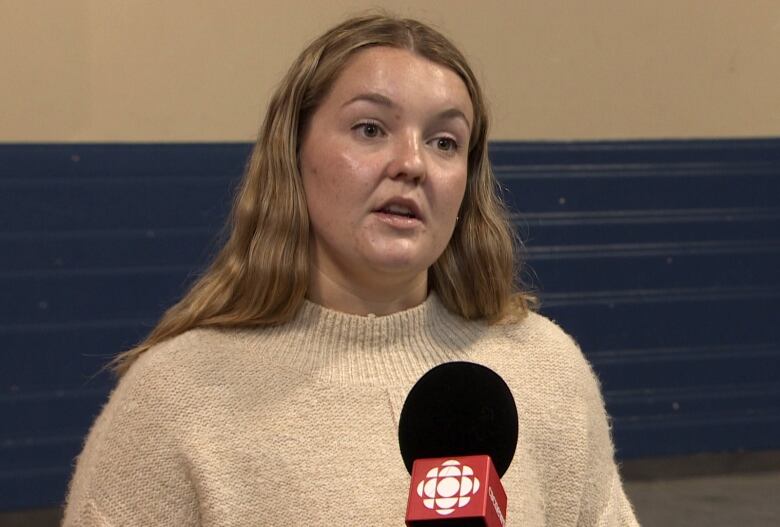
(448,486)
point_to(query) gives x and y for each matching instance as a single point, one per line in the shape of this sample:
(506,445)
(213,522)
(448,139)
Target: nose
(408,160)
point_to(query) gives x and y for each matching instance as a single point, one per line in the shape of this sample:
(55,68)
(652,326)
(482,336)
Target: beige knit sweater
(297,425)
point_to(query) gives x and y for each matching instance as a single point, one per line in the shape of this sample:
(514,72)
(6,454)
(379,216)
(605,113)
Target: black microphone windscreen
(459,409)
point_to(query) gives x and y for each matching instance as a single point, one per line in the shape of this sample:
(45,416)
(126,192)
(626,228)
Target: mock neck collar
(390,349)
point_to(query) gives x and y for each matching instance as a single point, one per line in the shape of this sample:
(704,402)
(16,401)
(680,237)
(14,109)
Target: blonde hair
(261,274)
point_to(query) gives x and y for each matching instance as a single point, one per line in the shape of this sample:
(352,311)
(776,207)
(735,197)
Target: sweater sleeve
(604,503)
(618,510)
(130,471)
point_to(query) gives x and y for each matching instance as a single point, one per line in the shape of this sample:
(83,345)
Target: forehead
(403,76)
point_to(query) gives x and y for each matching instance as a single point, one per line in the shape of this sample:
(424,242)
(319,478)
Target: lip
(401,202)
(396,221)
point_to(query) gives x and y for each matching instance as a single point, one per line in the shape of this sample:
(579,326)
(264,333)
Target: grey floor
(664,495)
(743,500)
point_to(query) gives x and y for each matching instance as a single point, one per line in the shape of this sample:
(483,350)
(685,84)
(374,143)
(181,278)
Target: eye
(446,144)
(369,129)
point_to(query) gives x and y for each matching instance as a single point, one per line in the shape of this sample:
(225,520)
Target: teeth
(398,209)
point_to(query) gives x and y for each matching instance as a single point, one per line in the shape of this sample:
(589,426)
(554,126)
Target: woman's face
(384,166)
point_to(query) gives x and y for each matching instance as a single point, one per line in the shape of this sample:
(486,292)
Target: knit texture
(297,425)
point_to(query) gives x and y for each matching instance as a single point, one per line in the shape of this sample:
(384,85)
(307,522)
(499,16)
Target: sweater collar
(394,349)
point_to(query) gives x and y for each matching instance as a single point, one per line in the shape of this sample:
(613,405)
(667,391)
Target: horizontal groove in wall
(747,399)
(646,216)
(709,392)
(13,476)
(665,354)
(649,249)
(749,146)
(98,271)
(668,151)
(657,295)
(9,184)
(45,395)
(655,422)
(80,234)
(650,170)
(118,159)
(34,327)
(22,442)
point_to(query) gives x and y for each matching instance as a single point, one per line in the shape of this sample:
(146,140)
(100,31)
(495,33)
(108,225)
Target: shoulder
(157,374)
(191,354)
(541,355)
(537,327)
(187,368)
(186,348)
(130,459)
(537,338)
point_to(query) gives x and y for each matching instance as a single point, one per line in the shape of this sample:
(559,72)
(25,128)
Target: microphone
(458,433)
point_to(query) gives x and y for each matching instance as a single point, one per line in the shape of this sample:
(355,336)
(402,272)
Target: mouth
(400,207)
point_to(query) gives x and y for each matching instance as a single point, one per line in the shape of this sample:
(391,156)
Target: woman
(367,246)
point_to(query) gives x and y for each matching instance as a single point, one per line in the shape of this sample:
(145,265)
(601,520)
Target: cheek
(335,194)
(318,191)
(452,194)
(343,179)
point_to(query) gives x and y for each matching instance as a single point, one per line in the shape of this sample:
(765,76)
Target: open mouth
(398,210)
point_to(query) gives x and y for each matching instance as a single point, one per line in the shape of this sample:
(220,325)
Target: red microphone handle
(456,491)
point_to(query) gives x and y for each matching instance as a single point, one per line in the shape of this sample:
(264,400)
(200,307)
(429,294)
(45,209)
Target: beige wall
(202,70)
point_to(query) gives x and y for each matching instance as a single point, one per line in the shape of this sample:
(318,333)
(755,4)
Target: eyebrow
(374,97)
(382,100)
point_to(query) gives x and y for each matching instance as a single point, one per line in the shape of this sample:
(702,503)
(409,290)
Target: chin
(400,258)
(399,263)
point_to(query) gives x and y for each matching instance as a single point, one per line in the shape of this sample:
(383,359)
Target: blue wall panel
(663,259)
(660,257)
(95,242)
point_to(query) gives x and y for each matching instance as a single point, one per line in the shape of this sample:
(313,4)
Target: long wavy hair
(261,274)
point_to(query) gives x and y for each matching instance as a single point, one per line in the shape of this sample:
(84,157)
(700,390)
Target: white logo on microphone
(448,486)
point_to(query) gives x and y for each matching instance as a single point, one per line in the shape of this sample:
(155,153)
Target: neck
(385,298)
